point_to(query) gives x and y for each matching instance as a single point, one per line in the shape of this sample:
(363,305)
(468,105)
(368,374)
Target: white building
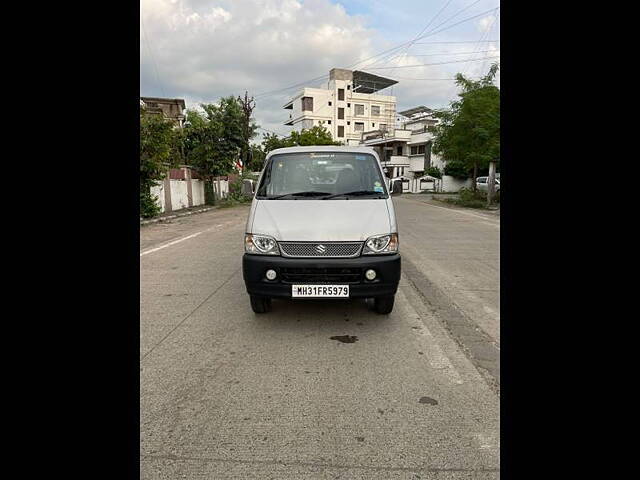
(346,106)
(351,109)
(405,150)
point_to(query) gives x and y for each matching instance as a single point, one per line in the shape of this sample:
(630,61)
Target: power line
(292,86)
(495,20)
(397,47)
(406,49)
(442,23)
(428,34)
(440,63)
(467,41)
(484,35)
(271,131)
(452,53)
(430,79)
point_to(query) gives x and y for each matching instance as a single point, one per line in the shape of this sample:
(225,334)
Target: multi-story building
(405,150)
(346,106)
(351,109)
(170,108)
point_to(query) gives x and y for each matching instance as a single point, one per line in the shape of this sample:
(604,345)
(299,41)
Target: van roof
(324,148)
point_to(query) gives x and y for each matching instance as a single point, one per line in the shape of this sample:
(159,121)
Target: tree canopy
(214,137)
(159,149)
(468,134)
(317,135)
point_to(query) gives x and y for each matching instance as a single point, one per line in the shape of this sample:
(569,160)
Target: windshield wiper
(311,193)
(355,193)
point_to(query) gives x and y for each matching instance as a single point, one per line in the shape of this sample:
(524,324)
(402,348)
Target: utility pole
(491,182)
(248,104)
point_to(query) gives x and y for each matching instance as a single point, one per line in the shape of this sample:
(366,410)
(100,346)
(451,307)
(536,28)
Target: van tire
(260,304)
(383,305)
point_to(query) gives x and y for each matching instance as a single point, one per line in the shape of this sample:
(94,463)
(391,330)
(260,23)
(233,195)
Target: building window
(341,94)
(329,103)
(421,149)
(383,126)
(399,150)
(375,110)
(307,104)
(359,109)
(359,127)
(329,122)
(348,123)
(348,87)
(340,131)
(414,150)
(373,124)
(348,105)
(340,113)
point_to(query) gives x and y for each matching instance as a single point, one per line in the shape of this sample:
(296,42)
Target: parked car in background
(483,183)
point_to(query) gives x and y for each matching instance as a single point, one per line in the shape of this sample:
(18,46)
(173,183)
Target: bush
(235,191)
(434,172)
(468,198)
(456,169)
(148,206)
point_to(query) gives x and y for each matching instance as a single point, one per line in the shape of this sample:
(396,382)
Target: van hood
(321,220)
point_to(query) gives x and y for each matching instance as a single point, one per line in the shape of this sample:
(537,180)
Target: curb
(169,217)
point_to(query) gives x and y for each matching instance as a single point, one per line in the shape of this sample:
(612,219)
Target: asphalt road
(227,394)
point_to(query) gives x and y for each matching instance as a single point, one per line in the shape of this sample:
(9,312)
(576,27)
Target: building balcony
(376,137)
(401,160)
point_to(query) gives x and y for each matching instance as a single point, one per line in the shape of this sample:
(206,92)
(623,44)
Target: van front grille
(320,275)
(320,249)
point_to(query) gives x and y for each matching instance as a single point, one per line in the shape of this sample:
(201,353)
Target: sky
(201,50)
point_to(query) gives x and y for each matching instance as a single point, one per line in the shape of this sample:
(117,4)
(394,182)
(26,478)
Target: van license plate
(313,291)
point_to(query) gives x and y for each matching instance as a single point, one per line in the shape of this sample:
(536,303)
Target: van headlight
(260,245)
(381,244)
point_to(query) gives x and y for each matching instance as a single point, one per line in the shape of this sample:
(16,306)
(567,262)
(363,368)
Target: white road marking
(457,211)
(438,360)
(183,239)
(171,243)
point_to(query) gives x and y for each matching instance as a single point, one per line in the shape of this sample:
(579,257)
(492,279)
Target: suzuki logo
(321,248)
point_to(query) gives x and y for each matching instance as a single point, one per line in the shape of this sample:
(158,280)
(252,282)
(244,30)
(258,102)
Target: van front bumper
(325,271)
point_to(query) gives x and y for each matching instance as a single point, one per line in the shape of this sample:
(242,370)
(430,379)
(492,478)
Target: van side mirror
(396,189)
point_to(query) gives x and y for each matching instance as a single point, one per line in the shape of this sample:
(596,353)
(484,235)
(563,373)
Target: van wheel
(383,305)
(260,304)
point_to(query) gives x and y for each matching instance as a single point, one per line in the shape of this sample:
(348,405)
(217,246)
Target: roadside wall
(177,182)
(451,184)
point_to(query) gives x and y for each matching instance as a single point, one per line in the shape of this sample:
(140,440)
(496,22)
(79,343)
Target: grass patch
(470,199)
(233,202)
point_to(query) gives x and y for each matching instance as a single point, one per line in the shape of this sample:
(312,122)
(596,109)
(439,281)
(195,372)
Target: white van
(322,225)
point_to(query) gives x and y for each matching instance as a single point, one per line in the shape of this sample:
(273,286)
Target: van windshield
(322,175)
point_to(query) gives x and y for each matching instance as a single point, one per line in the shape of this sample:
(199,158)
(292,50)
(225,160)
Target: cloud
(202,50)
(485,23)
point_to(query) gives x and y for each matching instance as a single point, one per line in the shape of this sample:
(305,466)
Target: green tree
(469,131)
(271,141)
(256,159)
(158,151)
(249,128)
(317,135)
(457,169)
(213,139)
(434,172)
